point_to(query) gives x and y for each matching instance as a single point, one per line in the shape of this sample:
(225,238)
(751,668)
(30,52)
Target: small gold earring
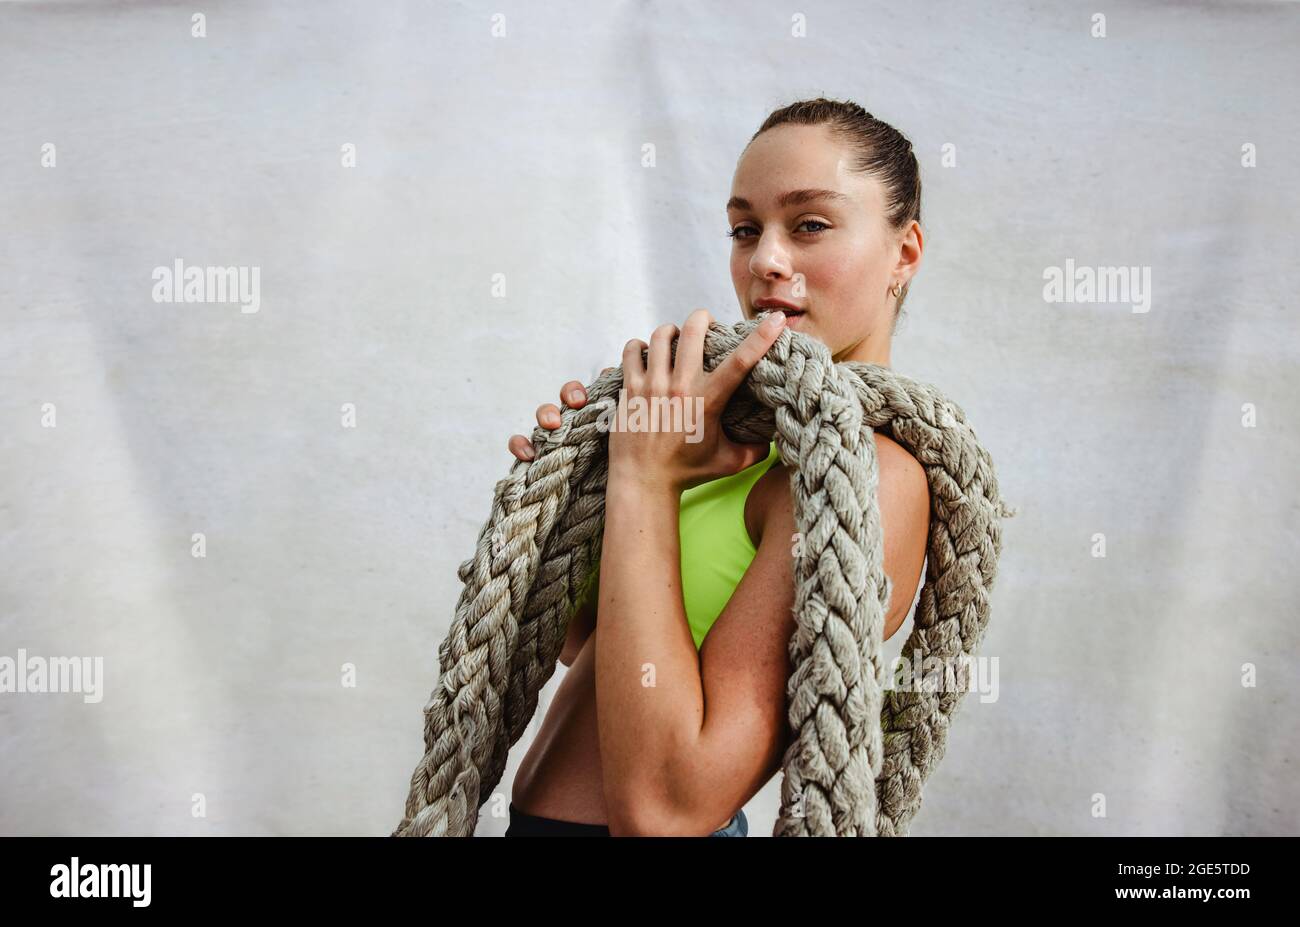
(897,289)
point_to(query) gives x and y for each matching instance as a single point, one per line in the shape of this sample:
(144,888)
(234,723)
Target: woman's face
(834,256)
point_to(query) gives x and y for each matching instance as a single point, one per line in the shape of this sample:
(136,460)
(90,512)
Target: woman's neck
(870,350)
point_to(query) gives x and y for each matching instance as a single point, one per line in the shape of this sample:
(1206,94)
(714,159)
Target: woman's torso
(560,775)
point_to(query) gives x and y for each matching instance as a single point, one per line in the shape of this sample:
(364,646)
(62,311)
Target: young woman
(672,714)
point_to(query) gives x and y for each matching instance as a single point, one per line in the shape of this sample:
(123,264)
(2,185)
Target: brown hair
(882,151)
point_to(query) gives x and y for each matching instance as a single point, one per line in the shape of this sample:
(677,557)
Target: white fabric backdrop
(521,155)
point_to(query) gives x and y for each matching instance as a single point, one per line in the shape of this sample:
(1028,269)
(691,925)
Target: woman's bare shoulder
(904,496)
(897,466)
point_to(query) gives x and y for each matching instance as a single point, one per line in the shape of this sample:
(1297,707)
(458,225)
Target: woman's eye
(738,231)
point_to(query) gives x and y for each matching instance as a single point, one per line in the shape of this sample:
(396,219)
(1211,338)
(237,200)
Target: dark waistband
(523,824)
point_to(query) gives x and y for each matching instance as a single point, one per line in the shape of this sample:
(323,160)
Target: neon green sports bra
(715,545)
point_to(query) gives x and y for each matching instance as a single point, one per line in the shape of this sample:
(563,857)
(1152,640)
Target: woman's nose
(769,258)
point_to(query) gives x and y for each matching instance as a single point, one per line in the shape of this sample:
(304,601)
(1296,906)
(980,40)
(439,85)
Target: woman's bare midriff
(560,775)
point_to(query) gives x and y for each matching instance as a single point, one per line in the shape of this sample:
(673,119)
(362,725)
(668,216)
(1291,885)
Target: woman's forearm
(649,697)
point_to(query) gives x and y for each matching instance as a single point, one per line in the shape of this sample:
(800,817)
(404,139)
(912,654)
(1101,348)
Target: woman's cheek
(834,273)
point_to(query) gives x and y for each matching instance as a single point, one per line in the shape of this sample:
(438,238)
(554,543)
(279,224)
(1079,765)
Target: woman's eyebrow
(790,198)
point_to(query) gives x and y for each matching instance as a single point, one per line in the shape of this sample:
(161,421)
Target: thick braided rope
(858,755)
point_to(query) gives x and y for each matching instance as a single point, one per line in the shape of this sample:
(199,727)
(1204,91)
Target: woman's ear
(911,245)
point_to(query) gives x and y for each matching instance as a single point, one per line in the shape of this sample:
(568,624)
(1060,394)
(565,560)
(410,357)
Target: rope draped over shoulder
(858,754)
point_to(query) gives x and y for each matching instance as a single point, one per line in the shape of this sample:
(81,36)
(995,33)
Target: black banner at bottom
(924,876)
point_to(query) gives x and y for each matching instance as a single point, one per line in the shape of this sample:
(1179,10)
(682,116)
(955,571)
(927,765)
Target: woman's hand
(668,434)
(572,394)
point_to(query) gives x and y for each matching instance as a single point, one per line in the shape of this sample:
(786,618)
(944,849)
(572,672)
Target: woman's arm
(649,697)
(648,691)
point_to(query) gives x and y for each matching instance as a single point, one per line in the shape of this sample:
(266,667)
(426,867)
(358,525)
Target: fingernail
(529,453)
(774,321)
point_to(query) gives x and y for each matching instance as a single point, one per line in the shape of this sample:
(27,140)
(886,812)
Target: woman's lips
(793,317)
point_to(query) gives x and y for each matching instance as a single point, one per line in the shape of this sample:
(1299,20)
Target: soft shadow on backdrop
(520,160)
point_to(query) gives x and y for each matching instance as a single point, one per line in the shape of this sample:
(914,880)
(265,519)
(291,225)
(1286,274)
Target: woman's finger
(659,368)
(548,416)
(573,394)
(633,366)
(521,447)
(690,346)
(729,374)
